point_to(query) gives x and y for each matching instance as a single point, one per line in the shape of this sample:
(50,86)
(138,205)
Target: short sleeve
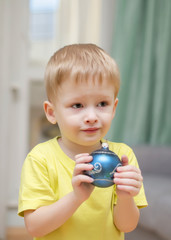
(35,188)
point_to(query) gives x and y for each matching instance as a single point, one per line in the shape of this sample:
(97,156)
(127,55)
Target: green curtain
(142,49)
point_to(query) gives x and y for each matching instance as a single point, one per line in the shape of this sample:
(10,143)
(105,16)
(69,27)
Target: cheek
(67,124)
(107,117)
(106,122)
(72,118)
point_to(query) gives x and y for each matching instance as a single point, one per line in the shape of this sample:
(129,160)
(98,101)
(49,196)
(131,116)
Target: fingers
(81,167)
(128,178)
(83,158)
(80,181)
(129,175)
(128,182)
(124,160)
(82,164)
(126,174)
(77,180)
(130,169)
(132,191)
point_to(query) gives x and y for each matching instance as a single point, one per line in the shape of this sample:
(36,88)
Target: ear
(50,112)
(114,107)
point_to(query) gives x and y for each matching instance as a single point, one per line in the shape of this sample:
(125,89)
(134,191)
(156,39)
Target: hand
(82,183)
(128,179)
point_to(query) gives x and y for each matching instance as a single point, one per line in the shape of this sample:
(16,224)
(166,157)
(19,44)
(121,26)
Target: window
(43,29)
(42,19)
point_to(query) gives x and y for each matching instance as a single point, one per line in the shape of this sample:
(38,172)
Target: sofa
(155,164)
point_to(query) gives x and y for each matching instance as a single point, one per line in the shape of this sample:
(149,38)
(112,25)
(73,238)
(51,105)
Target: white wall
(14,104)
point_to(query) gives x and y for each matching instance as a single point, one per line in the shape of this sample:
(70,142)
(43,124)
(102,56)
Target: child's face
(84,111)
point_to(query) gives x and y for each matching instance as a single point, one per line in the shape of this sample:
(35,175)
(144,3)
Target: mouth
(90,130)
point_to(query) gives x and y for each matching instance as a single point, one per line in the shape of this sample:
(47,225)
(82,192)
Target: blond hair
(80,62)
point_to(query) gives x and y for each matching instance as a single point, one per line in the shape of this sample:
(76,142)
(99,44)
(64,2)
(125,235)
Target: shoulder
(123,149)
(42,153)
(44,148)
(119,148)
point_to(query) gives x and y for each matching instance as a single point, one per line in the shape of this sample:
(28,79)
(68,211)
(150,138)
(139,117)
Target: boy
(56,198)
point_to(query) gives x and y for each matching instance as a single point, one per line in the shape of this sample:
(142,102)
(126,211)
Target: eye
(77,105)
(102,104)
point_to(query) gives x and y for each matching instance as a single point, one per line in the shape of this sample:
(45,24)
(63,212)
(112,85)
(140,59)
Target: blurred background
(137,33)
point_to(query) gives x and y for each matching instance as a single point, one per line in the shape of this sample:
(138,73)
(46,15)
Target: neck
(73,149)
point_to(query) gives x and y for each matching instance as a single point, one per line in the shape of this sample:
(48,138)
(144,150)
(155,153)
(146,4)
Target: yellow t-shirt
(46,177)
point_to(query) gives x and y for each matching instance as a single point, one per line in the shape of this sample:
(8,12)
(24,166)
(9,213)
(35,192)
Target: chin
(89,142)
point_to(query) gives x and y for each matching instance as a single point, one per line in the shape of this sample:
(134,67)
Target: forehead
(91,88)
(88,82)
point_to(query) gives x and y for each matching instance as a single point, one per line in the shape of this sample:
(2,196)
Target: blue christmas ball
(105,163)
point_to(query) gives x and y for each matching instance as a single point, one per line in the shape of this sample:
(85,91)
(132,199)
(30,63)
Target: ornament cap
(105,145)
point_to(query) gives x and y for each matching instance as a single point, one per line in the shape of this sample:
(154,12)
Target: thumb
(124,160)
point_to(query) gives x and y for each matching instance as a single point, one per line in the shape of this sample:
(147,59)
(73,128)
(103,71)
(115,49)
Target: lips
(90,130)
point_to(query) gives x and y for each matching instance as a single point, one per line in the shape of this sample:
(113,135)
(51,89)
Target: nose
(90,116)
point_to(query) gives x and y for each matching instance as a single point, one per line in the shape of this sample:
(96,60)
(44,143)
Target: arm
(46,219)
(129,181)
